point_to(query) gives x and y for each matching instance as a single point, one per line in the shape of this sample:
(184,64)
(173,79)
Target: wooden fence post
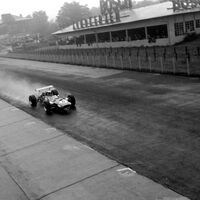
(82,59)
(93,59)
(188,66)
(154,53)
(174,65)
(130,62)
(161,65)
(87,58)
(187,60)
(113,60)
(139,63)
(164,53)
(149,58)
(121,59)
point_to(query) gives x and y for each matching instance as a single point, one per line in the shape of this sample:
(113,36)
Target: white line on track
(29,123)
(50,129)
(126,172)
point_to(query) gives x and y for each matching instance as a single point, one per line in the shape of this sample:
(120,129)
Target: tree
(40,22)
(53,26)
(72,12)
(95,11)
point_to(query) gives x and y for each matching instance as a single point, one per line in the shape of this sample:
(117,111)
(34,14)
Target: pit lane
(148,122)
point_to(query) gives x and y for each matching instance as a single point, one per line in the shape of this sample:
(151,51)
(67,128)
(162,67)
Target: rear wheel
(72,100)
(47,107)
(33,101)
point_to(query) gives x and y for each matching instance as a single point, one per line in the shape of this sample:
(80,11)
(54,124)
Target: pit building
(161,24)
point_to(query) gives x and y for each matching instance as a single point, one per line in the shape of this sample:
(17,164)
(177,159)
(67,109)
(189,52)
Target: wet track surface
(148,122)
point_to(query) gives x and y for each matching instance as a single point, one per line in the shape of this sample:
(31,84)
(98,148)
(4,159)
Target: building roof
(23,19)
(149,12)
(17,19)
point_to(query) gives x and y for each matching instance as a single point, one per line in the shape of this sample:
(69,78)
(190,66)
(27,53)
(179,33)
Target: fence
(182,60)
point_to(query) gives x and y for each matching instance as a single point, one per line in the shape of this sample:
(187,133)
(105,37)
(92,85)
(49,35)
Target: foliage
(95,11)
(53,26)
(71,12)
(40,22)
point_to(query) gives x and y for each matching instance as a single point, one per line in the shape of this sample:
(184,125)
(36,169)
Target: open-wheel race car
(49,98)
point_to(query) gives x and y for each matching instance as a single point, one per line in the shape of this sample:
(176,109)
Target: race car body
(49,98)
(55,103)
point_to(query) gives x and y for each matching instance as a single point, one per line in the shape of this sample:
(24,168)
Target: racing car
(49,98)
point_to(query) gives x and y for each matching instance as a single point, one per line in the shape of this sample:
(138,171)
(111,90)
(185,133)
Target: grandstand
(161,24)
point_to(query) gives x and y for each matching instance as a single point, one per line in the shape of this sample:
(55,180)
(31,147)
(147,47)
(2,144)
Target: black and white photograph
(100,100)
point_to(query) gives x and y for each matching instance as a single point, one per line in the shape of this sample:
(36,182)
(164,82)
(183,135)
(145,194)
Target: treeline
(68,13)
(71,12)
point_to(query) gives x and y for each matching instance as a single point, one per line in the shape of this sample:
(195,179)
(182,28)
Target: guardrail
(182,60)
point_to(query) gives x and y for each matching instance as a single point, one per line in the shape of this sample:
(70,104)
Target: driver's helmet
(48,94)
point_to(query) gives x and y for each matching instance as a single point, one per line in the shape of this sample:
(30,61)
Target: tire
(33,101)
(54,92)
(72,100)
(47,107)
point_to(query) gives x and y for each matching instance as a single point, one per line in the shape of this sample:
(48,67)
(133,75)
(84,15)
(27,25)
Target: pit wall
(180,60)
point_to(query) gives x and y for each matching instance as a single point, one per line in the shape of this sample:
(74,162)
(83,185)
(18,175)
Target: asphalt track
(148,122)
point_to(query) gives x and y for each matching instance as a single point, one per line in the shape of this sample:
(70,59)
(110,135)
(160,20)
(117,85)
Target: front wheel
(72,100)
(47,108)
(33,101)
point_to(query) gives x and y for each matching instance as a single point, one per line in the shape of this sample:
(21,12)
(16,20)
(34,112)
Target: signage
(108,6)
(97,21)
(185,4)
(110,13)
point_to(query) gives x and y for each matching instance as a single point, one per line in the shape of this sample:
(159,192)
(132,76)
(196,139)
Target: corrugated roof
(139,14)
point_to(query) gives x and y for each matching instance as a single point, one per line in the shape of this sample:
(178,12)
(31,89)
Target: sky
(27,7)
